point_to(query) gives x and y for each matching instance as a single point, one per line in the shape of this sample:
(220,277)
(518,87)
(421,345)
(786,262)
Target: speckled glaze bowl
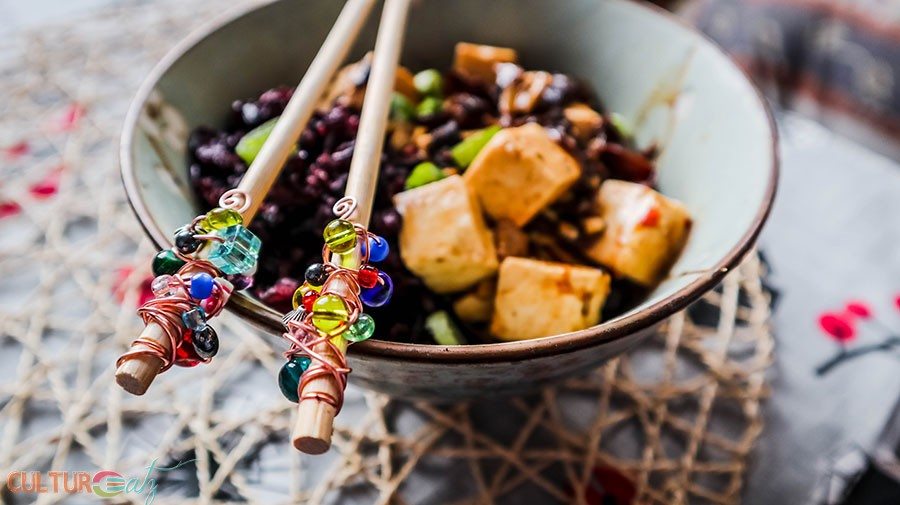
(718,154)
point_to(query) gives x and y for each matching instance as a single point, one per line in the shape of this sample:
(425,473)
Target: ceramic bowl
(717,139)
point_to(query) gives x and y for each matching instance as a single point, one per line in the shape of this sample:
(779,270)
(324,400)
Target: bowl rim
(253,311)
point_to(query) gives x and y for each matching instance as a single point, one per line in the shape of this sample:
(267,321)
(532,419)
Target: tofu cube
(539,298)
(477,305)
(477,61)
(520,172)
(585,120)
(645,231)
(347,87)
(444,239)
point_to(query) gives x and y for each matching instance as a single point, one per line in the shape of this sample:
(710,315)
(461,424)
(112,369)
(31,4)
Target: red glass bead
(367,276)
(309,299)
(185,355)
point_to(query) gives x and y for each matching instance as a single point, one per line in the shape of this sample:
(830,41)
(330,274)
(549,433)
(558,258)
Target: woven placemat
(674,421)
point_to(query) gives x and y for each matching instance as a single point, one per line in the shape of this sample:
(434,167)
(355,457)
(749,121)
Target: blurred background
(829,428)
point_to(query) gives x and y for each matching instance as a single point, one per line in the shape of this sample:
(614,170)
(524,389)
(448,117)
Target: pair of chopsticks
(313,428)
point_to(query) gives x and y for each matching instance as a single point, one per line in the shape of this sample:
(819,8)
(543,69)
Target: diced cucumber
(401,108)
(422,174)
(250,144)
(429,106)
(464,152)
(442,328)
(429,83)
(622,125)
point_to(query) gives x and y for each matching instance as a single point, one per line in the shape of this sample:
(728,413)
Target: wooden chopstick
(137,373)
(314,425)
(281,141)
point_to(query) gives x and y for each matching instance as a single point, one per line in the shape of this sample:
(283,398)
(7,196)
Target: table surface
(833,236)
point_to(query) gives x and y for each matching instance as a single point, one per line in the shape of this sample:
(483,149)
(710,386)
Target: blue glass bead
(194,319)
(378,249)
(380,294)
(289,377)
(202,286)
(238,252)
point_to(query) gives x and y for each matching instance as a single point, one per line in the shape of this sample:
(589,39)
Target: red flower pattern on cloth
(48,186)
(120,291)
(69,119)
(9,209)
(858,309)
(16,151)
(838,327)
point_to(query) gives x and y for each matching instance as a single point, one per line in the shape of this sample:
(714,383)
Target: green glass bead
(166,262)
(362,329)
(219,219)
(340,236)
(330,314)
(289,377)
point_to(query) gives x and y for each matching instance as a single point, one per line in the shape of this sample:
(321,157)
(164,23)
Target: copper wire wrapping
(235,199)
(305,338)
(165,311)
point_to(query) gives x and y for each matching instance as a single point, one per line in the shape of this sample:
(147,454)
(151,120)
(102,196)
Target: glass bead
(166,262)
(340,236)
(309,299)
(301,292)
(330,314)
(362,329)
(205,342)
(238,252)
(240,282)
(219,219)
(316,274)
(367,277)
(289,377)
(185,241)
(380,294)
(185,354)
(202,285)
(194,319)
(162,286)
(378,249)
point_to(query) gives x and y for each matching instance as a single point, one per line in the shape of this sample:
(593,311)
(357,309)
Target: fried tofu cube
(539,298)
(477,61)
(477,305)
(645,231)
(585,120)
(444,239)
(520,172)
